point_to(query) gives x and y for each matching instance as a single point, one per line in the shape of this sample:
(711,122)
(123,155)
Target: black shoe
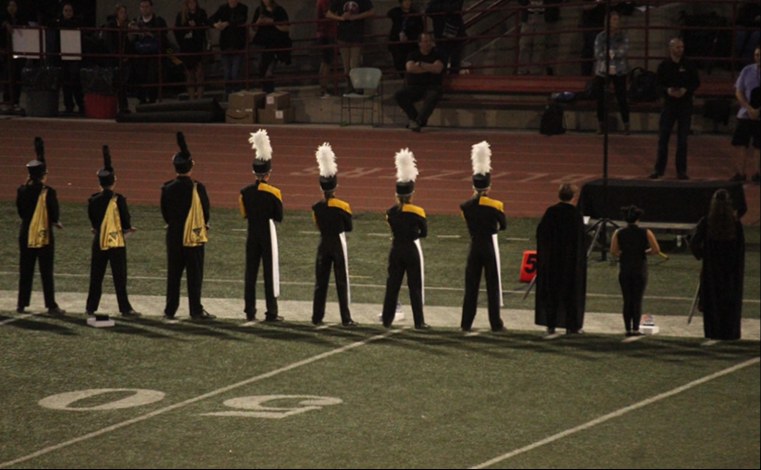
(273,319)
(204,316)
(318,322)
(466,330)
(350,324)
(170,318)
(89,313)
(550,331)
(423,326)
(500,330)
(57,311)
(20,309)
(682,176)
(131,314)
(655,175)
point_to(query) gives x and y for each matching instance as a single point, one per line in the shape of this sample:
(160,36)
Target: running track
(527,167)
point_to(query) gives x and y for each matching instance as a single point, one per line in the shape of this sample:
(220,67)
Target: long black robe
(561,282)
(721,281)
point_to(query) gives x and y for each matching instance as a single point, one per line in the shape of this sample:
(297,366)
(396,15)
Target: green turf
(670,289)
(423,400)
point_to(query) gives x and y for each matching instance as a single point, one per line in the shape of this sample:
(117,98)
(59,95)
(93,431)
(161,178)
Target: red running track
(527,167)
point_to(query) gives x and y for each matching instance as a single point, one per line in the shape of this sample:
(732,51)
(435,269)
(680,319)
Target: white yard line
(617,413)
(213,393)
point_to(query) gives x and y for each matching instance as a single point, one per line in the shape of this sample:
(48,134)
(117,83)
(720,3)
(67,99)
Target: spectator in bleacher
(351,15)
(677,81)
(612,53)
(448,31)
(533,36)
(230,19)
(719,241)
(422,83)
(117,42)
(10,69)
(271,23)
(190,24)
(748,33)
(561,266)
(70,67)
(149,40)
(631,245)
(326,38)
(406,26)
(748,127)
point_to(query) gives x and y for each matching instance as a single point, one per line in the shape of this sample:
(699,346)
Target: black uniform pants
(330,254)
(482,257)
(404,258)
(633,289)
(27,260)
(259,251)
(190,259)
(100,259)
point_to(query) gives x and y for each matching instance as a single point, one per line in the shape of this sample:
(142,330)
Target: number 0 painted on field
(66,401)
(254,406)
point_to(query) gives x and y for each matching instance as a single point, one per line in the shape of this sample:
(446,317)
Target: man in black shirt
(677,80)
(423,83)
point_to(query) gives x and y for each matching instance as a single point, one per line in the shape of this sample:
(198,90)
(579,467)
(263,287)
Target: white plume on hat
(406,169)
(326,160)
(480,157)
(260,142)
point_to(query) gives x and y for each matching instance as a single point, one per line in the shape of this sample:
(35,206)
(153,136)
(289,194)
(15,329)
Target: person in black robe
(719,242)
(561,282)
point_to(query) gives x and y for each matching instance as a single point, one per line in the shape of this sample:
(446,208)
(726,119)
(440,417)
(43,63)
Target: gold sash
(38,227)
(111,235)
(195,224)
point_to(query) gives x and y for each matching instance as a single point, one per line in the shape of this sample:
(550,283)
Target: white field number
(256,406)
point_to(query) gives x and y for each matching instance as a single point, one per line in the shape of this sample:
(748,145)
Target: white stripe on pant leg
(345,248)
(495,242)
(422,269)
(275,260)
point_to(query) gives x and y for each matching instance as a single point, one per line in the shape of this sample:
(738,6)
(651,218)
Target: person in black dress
(333,218)
(485,218)
(408,225)
(190,30)
(110,223)
(37,206)
(262,205)
(719,241)
(631,245)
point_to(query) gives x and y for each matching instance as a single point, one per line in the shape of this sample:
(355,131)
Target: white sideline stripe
(378,286)
(617,413)
(190,401)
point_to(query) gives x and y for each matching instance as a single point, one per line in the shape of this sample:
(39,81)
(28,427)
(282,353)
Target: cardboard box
(246,100)
(278,100)
(270,115)
(241,116)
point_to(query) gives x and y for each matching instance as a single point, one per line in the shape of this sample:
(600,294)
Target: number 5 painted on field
(254,406)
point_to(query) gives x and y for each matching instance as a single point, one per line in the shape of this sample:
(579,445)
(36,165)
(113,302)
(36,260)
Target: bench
(522,92)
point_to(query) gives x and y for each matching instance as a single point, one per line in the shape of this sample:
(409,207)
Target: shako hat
(480,157)
(37,168)
(182,160)
(260,142)
(406,172)
(106,175)
(326,161)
